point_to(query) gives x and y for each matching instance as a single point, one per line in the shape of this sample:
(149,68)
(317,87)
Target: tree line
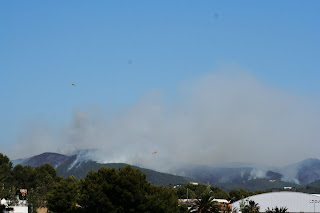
(107,190)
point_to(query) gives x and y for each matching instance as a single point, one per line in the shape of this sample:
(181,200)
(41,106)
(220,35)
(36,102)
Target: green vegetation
(249,206)
(277,210)
(111,190)
(38,181)
(205,203)
(125,189)
(64,195)
(120,189)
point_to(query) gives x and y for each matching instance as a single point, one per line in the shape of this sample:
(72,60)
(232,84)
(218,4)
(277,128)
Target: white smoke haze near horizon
(218,118)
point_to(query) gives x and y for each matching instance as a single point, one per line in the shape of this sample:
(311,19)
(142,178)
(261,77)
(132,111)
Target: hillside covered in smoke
(229,177)
(216,119)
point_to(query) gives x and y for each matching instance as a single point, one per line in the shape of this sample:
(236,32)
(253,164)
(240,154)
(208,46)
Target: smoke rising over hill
(215,119)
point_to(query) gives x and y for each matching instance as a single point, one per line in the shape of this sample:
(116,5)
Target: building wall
(19,209)
(294,201)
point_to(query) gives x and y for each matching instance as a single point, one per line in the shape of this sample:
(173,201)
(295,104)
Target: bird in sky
(154,152)
(73,84)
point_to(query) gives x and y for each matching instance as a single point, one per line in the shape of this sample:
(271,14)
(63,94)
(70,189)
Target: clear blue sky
(117,50)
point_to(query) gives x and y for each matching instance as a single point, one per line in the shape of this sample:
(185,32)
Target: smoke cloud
(218,118)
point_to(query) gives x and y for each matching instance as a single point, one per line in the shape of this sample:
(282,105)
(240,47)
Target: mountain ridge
(72,166)
(80,162)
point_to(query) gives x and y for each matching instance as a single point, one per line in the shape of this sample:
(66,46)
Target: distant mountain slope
(303,172)
(82,161)
(208,174)
(53,159)
(72,167)
(78,167)
(256,184)
(314,183)
(308,171)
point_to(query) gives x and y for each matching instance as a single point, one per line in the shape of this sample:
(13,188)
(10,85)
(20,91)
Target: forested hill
(72,166)
(229,178)
(80,170)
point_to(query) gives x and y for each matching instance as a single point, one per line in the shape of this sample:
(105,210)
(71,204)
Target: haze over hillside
(218,118)
(80,162)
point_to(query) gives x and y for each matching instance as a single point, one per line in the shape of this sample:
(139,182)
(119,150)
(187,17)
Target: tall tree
(6,177)
(109,190)
(249,206)
(33,200)
(239,194)
(24,176)
(219,193)
(184,192)
(253,206)
(45,177)
(205,203)
(163,199)
(5,168)
(64,195)
(124,190)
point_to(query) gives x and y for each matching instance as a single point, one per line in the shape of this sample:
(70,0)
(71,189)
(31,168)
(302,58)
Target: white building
(21,207)
(293,201)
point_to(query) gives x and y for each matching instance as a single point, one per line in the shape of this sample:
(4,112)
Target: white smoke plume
(217,118)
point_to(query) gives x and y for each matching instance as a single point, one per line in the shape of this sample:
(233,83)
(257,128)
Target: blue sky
(116,51)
